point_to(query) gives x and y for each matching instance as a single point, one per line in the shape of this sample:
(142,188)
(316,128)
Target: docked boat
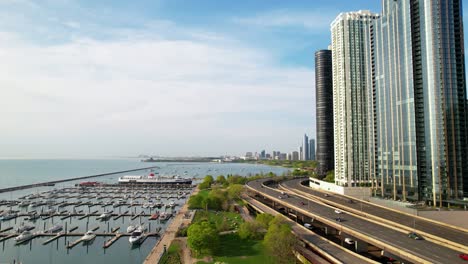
(131,228)
(136,237)
(24,204)
(165,216)
(8,216)
(88,236)
(105,216)
(54,229)
(154,179)
(25,235)
(154,216)
(33,216)
(23,228)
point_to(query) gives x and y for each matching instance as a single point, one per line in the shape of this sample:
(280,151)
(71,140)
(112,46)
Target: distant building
(325,155)
(289,157)
(295,155)
(301,153)
(283,156)
(263,154)
(312,149)
(305,148)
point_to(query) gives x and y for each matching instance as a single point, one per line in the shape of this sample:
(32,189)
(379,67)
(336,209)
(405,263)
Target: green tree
(209,179)
(330,177)
(196,202)
(236,179)
(204,185)
(280,242)
(202,237)
(264,219)
(251,230)
(221,180)
(234,191)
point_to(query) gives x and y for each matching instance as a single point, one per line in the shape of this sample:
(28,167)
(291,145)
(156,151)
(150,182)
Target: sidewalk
(170,233)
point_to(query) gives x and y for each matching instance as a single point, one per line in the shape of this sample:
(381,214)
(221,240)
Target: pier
(51,183)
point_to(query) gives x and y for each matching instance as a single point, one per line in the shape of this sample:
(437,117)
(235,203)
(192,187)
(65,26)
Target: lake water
(20,172)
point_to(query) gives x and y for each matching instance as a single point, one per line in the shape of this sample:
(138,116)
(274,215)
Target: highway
(339,253)
(398,243)
(411,222)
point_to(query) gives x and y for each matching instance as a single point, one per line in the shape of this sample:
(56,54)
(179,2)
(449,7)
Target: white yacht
(105,215)
(131,228)
(23,228)
(88,236)
(54,229)
(24,204)
(24,236)
(136,237)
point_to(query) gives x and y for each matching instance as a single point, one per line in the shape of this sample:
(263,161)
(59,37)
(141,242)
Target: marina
(61,215)
(100,212)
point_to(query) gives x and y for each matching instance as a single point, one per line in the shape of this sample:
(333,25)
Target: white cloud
(199,93)
(311,20)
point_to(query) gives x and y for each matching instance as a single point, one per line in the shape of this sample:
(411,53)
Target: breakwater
(49,183)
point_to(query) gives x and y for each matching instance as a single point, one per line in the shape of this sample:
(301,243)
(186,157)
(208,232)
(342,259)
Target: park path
(170,233)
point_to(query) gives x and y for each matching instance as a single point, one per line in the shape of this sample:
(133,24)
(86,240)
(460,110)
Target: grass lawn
(234,250)
(173,254)
(230,219)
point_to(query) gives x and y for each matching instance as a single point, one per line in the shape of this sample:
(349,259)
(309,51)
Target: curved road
(327,246)
(445,232)
(366,230)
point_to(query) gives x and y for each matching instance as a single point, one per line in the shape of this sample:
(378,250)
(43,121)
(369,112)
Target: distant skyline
(173,78)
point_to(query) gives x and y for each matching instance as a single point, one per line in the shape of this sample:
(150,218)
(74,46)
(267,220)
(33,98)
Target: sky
(116,78)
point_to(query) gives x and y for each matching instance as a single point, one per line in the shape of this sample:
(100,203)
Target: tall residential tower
(418,111)
(350,38)
(324,111)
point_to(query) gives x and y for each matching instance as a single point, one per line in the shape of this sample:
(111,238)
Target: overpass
(366,232)
(455,237)
(330,251)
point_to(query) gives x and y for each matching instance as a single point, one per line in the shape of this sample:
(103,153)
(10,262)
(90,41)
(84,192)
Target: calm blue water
(20,172)
(23,171)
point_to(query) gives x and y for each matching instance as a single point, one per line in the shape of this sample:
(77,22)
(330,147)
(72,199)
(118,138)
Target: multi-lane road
(455,235)
(340,254)
(388,238)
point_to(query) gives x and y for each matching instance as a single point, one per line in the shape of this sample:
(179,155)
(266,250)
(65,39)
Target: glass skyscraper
(349,62)
(417,111)
(324,111)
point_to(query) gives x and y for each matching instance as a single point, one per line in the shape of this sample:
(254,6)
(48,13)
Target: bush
(251,230)
(264,220)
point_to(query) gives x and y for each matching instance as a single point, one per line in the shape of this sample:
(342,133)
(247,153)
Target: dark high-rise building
(418,92)
(305,148)
(324,111)
(312,149)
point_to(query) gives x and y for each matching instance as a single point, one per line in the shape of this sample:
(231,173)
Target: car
(302,203)
(463,256)
(339,219)
(338,211)
(308,226)
(281,197)
(350,201)
(326,195)
(415,236)
(349,241)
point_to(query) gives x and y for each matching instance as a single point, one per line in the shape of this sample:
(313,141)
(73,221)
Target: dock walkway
(169,235)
